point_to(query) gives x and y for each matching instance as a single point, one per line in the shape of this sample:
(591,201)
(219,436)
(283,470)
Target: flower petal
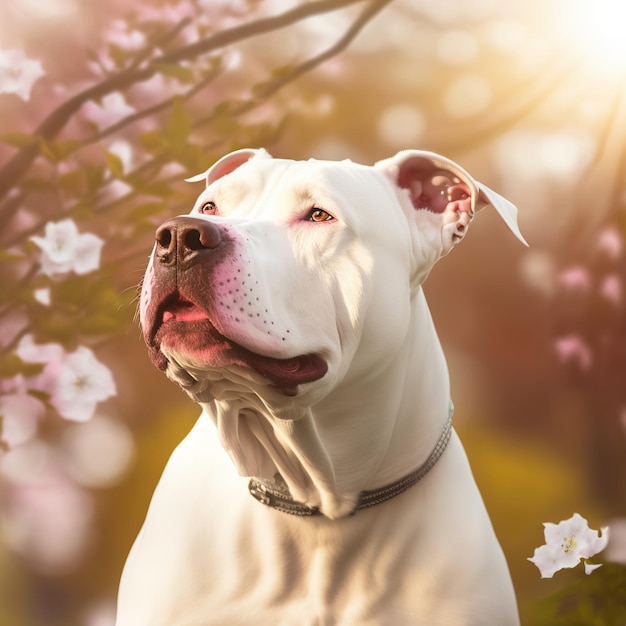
(590,567)
(82,382)
(87,250)
(550,558)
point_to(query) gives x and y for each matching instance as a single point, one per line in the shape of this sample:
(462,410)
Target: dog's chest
(280,576)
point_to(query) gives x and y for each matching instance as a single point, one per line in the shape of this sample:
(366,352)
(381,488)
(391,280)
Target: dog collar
(276,494)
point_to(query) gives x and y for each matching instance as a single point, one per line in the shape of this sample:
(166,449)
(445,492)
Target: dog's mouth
(185,328)
(181,310)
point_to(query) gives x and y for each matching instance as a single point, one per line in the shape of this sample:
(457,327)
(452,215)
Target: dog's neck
(356,438)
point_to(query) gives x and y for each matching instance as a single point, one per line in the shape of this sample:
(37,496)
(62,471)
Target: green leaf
(115,164)
(145,210)
(82,210)
(73,183)
(224,125)
(37,184)
(159,188)
(179,126)
(94,177)
(63,148)
(119,55)
(40,395)
(101,324)
(19,140)
(10,257)
(597,599)
(11,365)
(182,73)
(153,141)
(47,150)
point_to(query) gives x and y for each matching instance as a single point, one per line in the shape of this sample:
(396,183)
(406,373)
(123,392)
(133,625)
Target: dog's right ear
(228,164)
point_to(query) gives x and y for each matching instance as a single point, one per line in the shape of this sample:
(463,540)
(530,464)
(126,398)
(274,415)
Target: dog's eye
(319,215)
(209,208)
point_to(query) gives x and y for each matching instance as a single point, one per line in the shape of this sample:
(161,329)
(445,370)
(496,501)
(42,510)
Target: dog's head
(284,270)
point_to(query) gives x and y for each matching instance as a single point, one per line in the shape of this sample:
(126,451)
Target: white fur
(350,290)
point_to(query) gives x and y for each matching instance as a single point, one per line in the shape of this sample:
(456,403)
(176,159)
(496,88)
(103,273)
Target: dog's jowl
(323,483)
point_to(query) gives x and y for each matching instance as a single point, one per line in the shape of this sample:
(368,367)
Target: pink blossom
(612,289)
(112,109)
(18,74)
(575,279)
(154,88)
(173,13)
(114,190)
(122,36)
(75,382)
(572,348)
(610,243)
(50,354)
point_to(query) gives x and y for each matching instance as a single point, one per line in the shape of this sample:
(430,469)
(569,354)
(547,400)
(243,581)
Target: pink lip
(183,311)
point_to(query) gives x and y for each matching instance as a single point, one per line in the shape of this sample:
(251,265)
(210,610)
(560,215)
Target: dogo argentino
(323,483)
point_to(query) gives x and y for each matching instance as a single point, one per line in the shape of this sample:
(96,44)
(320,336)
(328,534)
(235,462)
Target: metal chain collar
(276,495)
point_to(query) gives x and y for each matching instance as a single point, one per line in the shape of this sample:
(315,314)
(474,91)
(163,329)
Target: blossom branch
(263,94)
(157,108)
(293,74)
(16,167)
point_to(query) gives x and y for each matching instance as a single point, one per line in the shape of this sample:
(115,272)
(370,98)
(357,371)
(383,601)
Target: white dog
(289,305)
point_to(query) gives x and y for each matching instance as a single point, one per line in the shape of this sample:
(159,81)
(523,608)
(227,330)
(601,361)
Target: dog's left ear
(441,186)
(228,164)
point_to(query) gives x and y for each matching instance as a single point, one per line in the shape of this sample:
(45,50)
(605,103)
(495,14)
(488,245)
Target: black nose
(181,239)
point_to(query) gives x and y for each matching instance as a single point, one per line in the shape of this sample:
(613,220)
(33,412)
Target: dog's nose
(183,238)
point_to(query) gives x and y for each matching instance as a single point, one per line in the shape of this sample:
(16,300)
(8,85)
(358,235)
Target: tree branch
(293,74)
(16,166)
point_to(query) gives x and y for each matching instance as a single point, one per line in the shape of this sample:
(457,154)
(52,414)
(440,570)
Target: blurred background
(106,107)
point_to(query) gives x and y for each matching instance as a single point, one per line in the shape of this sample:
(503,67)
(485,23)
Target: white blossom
(567,543)
(83,382)
(18,74)
(42,296)
(64,249)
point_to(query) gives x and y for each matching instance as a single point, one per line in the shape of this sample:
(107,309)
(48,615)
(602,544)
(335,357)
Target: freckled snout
(184,239)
